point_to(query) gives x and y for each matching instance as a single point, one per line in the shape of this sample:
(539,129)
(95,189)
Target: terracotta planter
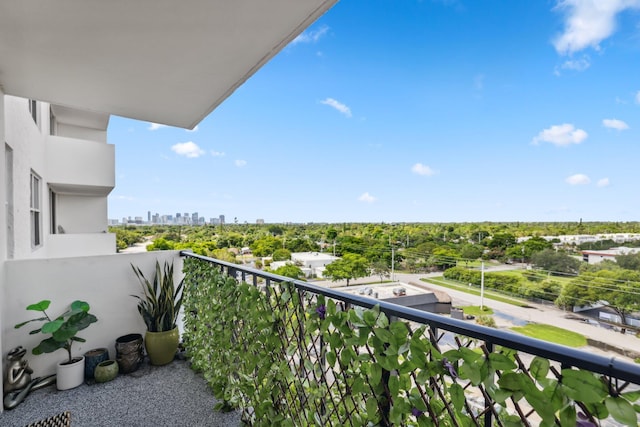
(70,375)
(162,346)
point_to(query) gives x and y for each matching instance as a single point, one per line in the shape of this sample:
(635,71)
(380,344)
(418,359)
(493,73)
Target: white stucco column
(3,235)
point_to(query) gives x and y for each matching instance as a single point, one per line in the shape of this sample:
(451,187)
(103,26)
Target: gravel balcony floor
(158,396)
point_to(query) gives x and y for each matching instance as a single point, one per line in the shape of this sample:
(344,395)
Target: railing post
(385,404)
(488,416)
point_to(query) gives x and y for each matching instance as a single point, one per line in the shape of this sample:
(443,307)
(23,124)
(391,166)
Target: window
(36,214)
(53,200)
(33,109)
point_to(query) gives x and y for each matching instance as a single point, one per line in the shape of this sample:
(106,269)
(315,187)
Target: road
(537,313)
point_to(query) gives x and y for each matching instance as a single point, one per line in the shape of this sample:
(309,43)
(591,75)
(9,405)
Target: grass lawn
(552,334)
(473,291)
(474,310)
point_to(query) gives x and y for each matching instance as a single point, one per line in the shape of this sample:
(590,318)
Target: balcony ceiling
(162,61)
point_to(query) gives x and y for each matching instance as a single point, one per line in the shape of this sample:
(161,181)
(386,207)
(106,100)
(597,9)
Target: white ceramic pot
(70,375)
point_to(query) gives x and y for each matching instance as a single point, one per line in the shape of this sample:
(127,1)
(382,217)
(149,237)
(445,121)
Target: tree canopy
(350,266)
(555,262)
(618,289)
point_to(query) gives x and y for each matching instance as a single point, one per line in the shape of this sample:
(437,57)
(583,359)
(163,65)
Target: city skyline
(427,111)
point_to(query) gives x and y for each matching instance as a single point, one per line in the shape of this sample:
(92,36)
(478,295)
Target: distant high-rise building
(260,221)
(221,219)
(194,218)
(149,216)
(178,216)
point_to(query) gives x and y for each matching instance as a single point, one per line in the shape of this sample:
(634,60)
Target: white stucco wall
(105,282)
(81,132)
(82,214)
(24,137)
(3,227)
(80,162)
(82,172)
(80,244)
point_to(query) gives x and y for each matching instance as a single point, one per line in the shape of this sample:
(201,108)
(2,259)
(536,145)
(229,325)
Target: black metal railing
(345,359)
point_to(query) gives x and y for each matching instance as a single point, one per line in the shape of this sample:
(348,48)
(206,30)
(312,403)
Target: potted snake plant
(62,331)
(159,307)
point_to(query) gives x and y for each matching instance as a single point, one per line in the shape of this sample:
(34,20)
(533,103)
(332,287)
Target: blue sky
(413,111)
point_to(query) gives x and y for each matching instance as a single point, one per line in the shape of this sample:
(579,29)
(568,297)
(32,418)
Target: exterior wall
(72,245)
(27,142)
(82,214)
(80,172)
(3,229)
(105,282)
(597,259)
(81,132)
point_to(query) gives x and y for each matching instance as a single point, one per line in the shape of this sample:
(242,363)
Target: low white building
(312,264)
(314,261)
(595,257)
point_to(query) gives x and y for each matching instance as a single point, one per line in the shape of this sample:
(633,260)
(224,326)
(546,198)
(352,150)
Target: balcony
(81,167)
(292,352)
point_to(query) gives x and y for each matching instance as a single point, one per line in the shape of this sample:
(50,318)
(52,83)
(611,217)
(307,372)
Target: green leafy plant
(63,329)
(290,357)
(162,300)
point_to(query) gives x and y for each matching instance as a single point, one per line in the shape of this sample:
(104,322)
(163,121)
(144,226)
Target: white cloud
(195,129)
(240,163)
(604,182)
(217,153)
(638,97)
(367,198)
(338,106)
(156,126)
(615,124)
(421,169)
(311,36)
(578,179)
(188,149)
(588,22)
(564,134)
(577,64)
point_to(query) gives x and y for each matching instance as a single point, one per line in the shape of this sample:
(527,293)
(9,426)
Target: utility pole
(482,286)
(392,263)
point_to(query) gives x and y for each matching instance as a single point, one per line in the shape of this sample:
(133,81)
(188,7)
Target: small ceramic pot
(92,358)
(129,352)
(106,371)
(70,375)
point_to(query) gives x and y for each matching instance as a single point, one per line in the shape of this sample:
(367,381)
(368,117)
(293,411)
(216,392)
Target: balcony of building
(293,352)
(79,166)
